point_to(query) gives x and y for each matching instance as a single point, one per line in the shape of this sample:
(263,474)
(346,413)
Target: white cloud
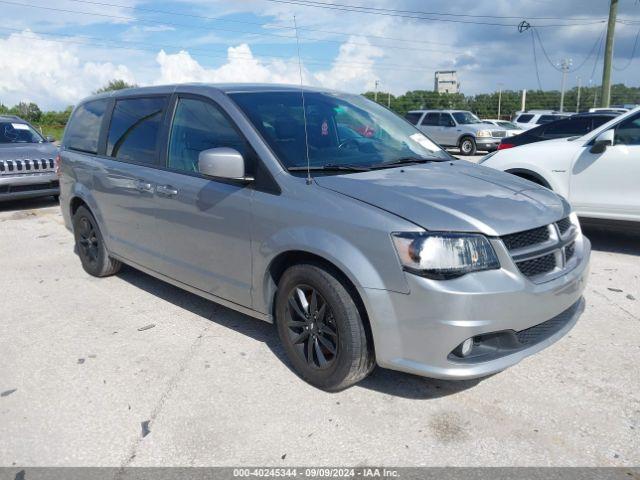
(241,66)
(50,73)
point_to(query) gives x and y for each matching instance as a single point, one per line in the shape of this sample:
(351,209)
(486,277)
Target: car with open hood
(330,216)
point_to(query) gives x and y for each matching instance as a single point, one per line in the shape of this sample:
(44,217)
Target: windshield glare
(17,132)
(509,125)
(465,118)
(342,130)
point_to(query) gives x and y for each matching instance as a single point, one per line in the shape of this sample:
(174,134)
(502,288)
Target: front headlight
(573,217)
(483,133)
(442,256)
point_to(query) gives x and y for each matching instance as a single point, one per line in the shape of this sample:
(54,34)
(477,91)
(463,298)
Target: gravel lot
(83,383)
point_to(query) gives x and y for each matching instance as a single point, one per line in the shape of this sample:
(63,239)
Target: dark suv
(27,161)
(576,125)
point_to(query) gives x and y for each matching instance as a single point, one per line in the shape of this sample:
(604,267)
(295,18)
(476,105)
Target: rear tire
(321,329)
(468,146)
(90,245)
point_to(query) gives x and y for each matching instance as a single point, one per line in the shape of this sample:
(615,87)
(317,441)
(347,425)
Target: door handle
(143,186)
(166,190)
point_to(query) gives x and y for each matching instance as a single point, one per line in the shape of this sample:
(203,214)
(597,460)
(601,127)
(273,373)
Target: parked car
(511,128)
(531,118)
(617,110)
(379,248)
(26,161)
(598,172)
(457,128)
(577,124)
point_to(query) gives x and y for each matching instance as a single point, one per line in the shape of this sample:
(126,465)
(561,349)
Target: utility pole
(564,65)
(499,99)
(523,103)
(388,99)
(375,95)
(578,100)
(608,54)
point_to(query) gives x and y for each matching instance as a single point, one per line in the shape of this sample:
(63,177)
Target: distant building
(446,81)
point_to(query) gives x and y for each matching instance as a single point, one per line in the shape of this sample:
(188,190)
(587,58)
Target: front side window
(83,130)
(446,120)
(341,129)
(135,128)
(197,126)
(18,132)
(466,118)
(628,131)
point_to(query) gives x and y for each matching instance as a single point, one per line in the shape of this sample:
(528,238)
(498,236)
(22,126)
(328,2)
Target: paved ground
(82,384)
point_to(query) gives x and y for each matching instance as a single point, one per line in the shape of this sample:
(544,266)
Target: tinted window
(83,131)
(197,126)
(134,129)
(18,132)
(431,119)
(413,117)
(569,127)
(526,118)
(628,132)
(547,119)
(597,121)
(446,120)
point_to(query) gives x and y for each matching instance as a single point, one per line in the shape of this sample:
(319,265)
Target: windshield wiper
(329,167)
(407,161)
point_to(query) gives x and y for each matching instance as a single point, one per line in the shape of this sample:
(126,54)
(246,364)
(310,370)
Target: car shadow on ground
(381,380)
(608,238)
(27,204)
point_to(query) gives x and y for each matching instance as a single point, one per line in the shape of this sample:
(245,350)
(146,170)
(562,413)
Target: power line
(139,46)
(419,16)
(633,53)
(174,24)
(535,60)
(544,51)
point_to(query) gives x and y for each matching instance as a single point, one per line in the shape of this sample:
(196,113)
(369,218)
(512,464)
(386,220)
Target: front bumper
(487,143)
(14,187)
(417,332)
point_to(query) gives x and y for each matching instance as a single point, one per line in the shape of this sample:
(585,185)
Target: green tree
(29,111)
(116,84)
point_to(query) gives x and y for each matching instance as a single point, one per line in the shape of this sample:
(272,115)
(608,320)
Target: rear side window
(574,126)
(413,117)
(431,119)
(83,131)
(547,118)
(135,128)
(597,121)
(526,118)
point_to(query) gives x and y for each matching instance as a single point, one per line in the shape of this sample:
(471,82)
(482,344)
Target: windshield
(465,118)
(17,132)
(509,125)
(343,130)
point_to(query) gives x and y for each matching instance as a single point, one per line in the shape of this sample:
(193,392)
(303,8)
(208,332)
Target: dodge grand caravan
(341,222)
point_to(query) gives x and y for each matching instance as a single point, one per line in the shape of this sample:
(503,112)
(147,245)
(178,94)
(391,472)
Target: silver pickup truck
(27,161)
(457,128)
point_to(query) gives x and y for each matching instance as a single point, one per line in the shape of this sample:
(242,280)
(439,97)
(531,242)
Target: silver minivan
(330,216)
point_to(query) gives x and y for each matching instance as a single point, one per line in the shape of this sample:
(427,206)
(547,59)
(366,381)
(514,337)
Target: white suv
(533,118)
(598,173)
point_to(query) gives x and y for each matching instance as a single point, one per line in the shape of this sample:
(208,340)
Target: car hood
(19,151)
(454,196)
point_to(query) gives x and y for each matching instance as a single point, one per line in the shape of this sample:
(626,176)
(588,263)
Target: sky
(56,52)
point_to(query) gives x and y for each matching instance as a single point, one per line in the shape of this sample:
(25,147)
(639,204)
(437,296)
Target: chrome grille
(499,133)
(26,165)
(543,252)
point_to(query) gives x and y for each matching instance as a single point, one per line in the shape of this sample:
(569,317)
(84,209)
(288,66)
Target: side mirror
(223,162)
(50,139)
(602,141)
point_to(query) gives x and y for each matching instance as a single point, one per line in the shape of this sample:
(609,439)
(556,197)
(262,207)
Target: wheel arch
(531,176)
(281,262)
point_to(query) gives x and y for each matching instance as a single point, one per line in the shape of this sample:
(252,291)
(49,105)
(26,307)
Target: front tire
(468,146)
(321,329)
(90,245)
